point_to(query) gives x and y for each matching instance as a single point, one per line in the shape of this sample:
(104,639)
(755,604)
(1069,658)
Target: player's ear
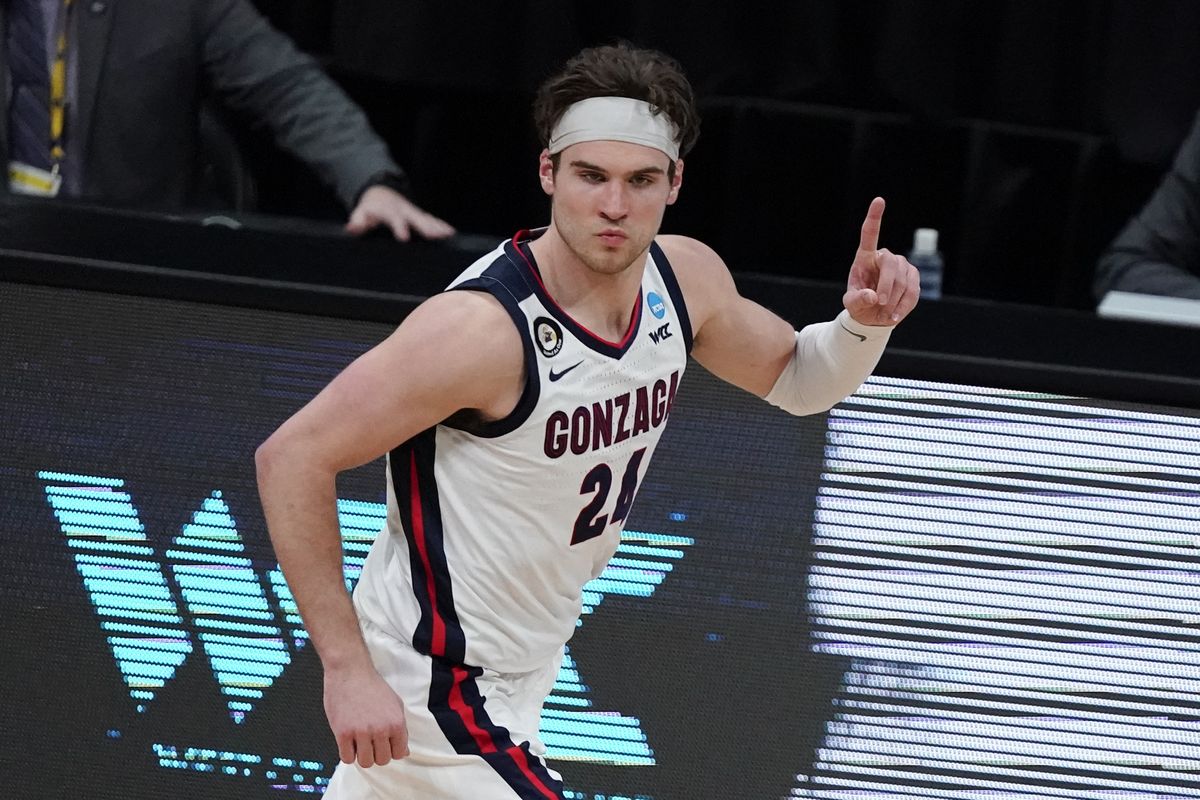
(546,172)
(676,182)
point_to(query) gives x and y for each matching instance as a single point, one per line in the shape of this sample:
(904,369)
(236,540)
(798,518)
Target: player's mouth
(612,237)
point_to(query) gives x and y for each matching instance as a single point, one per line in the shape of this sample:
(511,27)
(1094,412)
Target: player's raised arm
(457,350)
(807,371)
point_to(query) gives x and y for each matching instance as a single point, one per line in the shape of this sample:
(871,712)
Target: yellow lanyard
(58,86)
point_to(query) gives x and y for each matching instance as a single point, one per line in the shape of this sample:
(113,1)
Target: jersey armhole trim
(672,284)
(532,389)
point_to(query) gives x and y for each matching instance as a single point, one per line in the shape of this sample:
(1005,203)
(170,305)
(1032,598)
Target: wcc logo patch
(658,308)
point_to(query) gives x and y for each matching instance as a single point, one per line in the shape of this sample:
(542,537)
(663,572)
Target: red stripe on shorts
(485,740)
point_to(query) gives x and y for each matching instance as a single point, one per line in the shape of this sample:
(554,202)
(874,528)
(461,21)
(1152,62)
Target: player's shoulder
(468,308)
(698,268)
(688,253)
(463,324)
(460,348)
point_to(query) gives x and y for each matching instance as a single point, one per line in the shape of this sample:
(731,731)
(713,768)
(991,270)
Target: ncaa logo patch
(548,336)
(656,305)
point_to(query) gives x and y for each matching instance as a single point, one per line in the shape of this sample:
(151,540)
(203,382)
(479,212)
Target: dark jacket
(1158,252)
(145,67)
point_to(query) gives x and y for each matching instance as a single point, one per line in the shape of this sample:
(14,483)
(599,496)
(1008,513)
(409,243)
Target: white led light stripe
(1095,783)
(996,739)
(872,681)
(905,678)
(877,387)
(1183,639)
(986,664)
(1060,732)
(832,538)
(993,679)
(1119,600)
(873,789)
(1110,431)
(1143,504)
(1114,486)
(893,601)
(1076,720)
(1125,528)
(935,506)
(899,389)
(1148,582)
(955,469)
(904,753)
(983,448)
(910,532)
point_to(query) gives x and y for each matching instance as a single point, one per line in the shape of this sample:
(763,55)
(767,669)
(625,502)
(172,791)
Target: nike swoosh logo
(556,375)
(858,336)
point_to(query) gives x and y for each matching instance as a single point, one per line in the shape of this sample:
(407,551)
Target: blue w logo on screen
(203,589)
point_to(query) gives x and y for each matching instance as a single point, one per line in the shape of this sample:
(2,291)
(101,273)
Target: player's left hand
(382,205)
(883,287)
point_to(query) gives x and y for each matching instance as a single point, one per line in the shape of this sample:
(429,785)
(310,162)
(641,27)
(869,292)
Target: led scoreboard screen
(936,590)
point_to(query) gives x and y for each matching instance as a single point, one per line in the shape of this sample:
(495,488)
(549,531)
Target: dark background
(172,397)
(1026,131)
(721,666)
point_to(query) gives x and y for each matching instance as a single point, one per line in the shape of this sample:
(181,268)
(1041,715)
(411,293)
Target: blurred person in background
(104,102)
(1158,251)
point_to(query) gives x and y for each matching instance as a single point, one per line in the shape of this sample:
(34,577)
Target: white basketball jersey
(494,528)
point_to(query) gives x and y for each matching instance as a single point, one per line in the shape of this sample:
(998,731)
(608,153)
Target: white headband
(621,119)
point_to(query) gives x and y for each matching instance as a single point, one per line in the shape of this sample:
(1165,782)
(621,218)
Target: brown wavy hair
(620,70)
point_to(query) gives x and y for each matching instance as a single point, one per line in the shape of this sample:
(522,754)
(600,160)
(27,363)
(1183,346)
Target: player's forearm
(830,362)
(300,505)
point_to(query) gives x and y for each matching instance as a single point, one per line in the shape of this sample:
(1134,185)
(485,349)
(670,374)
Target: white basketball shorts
(472,732)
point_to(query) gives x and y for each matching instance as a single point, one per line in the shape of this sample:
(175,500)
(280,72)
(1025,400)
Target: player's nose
(614,200)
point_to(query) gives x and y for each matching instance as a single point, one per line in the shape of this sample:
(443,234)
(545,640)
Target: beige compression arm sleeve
(830,362)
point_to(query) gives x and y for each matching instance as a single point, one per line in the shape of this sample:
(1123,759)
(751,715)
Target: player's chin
(611,262)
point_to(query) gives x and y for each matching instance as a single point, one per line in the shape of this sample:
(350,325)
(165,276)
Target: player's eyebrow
(578,164)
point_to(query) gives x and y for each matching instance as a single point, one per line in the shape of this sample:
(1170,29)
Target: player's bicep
(734,338)
(453,352)
(744,344)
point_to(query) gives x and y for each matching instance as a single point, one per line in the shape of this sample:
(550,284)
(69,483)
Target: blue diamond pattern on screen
(123,578)
(204,586)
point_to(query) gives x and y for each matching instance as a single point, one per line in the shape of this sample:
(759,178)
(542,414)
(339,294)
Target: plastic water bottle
(928,261)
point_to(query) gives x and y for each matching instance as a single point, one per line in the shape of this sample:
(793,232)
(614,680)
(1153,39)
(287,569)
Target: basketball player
(519,411)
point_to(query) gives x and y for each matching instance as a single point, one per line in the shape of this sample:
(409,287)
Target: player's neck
(601,301)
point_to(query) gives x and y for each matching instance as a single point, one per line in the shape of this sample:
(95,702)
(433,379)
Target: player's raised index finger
(869,240)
